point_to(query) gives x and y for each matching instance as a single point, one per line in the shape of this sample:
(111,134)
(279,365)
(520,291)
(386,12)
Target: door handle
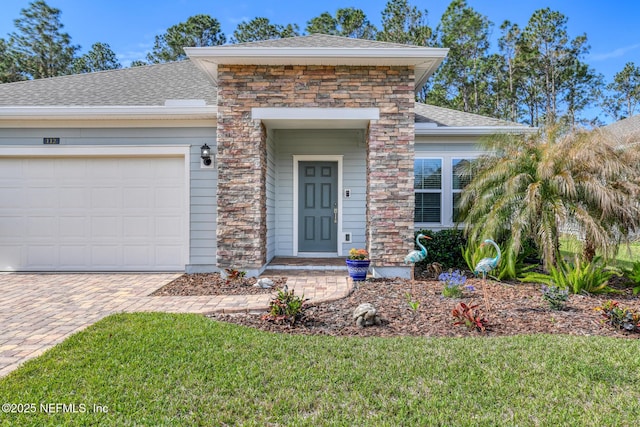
(335,213)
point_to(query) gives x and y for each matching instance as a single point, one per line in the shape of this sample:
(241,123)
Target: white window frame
(446,187)
(432,191)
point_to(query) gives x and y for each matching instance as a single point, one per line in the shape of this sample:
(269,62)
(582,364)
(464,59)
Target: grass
(167,369)
(570,246)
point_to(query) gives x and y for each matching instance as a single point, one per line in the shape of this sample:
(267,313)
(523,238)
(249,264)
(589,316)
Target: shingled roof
(425,113)
(153,85)
(626,130)
(149,85)
(322,41)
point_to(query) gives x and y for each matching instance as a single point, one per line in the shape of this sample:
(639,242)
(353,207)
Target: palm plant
(530,186)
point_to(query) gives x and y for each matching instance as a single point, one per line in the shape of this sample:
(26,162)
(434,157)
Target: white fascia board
(107,113)
(230,55)
(471,130)
(313,113)
(425,59)
(95,150)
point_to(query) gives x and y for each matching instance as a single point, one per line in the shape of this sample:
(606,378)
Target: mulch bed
(514,309)
(213,284)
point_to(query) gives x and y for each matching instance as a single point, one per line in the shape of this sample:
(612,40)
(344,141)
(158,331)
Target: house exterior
(317,146)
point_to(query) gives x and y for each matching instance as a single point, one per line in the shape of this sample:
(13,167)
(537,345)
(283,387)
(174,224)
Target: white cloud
(616,53)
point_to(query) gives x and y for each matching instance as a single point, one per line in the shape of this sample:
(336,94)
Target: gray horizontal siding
(203,181)
(349,144)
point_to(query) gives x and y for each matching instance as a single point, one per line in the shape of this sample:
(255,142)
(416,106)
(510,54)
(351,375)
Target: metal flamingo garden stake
(485,265)
(416,256)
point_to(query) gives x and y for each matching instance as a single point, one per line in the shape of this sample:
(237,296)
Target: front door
(318,207)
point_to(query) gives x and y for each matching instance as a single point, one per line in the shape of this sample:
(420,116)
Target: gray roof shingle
(148,85)
(152,85)
(322,40)
(441,116)
(627,130)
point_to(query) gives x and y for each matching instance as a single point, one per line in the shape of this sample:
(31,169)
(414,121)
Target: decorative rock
(366,315)
(264,283)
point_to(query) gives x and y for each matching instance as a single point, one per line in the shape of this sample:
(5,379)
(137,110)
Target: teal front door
(318,207)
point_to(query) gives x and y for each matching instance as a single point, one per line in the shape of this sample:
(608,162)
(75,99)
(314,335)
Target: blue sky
(129,26)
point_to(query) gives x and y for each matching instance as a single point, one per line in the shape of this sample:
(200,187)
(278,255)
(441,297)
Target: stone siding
(242,151)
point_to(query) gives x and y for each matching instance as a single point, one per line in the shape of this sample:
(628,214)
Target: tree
(625,90)
(348,22)
(402,23)
(463,75)
(197,31)
(39,47)
(262,29)
(557,82)
(99,58)
(528,187)
(8,70)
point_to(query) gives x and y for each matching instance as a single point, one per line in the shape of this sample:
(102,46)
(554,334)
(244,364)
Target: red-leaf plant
(468,316)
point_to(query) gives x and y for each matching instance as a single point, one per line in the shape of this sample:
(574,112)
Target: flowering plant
(454,283)
(358,254)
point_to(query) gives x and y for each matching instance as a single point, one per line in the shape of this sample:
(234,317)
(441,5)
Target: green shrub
(633,274)
(511,266)
(444,248)
(285,307)
(578,277)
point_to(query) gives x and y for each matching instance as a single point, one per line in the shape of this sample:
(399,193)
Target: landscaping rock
(264,283)
(366,315)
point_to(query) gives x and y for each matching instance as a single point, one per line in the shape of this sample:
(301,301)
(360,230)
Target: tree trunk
(588,250)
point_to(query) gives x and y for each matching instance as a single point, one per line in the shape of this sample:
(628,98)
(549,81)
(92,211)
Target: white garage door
(93,214)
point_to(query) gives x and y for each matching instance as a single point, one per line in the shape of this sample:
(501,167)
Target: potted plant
(358,263)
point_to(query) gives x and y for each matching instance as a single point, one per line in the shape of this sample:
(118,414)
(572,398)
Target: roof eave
(106,112)
(425,60)
(430,130)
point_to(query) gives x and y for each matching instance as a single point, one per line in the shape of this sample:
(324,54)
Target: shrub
(578,277)
(234,275)
(444,248)
(469,316)
(511,266)
(555,296)
(633,274)
(620,317)
(285,307)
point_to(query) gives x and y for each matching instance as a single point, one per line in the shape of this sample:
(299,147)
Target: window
(428,188)
(439,181)
(459,180)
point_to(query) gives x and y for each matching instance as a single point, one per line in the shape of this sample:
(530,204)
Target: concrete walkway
(38,311)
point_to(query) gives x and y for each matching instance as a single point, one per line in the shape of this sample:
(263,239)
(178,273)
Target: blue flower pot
(358,268)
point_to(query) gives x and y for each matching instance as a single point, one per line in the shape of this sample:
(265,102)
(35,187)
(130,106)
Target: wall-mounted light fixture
(205,154)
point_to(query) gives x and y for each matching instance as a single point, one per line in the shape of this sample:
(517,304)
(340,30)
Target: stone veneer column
(390,178)
(242,165)
(242,162)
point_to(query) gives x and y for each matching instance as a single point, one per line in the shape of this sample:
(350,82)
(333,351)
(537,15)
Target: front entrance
(318,206)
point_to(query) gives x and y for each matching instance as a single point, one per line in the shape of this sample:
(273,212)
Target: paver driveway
(38,311)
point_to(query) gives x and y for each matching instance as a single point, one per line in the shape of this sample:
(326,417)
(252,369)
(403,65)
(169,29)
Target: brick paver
(38,311)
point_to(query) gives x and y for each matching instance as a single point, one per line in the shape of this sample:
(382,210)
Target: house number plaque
(51,140)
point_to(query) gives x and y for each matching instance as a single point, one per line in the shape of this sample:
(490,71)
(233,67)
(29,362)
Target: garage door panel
(73,197)
(42,256)
(41,228)
(93,214)
(40,197)
(12,227)
(74,227)
(74,257)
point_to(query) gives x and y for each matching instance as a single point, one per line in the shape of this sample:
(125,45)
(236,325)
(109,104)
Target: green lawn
(569,246)
(165,369)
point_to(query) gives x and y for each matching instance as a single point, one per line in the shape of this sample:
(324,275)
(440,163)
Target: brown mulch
(514,309)
(213,284)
